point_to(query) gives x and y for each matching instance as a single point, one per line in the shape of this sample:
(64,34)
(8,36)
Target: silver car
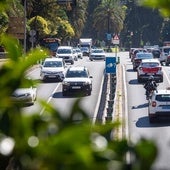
(97,54)
(25,95)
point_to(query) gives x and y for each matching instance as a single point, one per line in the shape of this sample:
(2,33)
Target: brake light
(160,68)
(154,104)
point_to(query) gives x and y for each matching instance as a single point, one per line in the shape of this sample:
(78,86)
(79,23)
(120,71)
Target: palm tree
(109,17)
(78,17)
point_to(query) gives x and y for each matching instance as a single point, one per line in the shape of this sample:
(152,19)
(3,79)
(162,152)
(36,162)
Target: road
(137,122)
(51,92)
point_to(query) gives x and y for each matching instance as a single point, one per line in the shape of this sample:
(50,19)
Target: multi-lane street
(51,92)
(136,114)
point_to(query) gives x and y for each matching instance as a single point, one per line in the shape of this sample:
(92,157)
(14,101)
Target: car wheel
(161,79)
(89,93)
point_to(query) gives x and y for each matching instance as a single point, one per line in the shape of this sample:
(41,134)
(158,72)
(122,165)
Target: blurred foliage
(50,141)
(162,5)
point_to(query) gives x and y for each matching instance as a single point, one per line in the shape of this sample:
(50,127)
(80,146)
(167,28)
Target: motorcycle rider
(150,85)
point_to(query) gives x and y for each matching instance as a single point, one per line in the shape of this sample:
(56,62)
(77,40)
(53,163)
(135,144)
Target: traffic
(147,116)
(62,83)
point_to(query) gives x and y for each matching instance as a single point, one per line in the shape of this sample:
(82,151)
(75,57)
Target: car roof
(77,68)
(53,59)
(162,91)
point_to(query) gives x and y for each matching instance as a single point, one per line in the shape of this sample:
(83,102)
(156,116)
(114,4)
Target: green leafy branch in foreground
(162,5)
(51,141)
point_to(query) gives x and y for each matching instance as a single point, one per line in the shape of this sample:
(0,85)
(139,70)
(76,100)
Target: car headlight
(65,83)
(45,72)
(86,83)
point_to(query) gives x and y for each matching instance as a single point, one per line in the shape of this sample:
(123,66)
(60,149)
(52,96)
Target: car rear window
(163,97)
(144,56)
(152,64)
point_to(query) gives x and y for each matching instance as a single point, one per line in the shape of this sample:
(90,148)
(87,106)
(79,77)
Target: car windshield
(150,64)
(97,51)
(53,64)
(64,51)
(76,74)
(163,97)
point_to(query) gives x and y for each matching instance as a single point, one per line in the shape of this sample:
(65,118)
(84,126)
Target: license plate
(76,87)
(51,76)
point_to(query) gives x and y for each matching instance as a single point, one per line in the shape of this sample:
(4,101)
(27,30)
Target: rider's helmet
(151,78)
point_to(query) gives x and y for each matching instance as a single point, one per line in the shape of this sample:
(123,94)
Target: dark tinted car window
(163,97)
(156,53)
(76,74)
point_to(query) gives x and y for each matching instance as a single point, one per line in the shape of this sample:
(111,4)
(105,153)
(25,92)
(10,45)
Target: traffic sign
(110,66)
(115,39)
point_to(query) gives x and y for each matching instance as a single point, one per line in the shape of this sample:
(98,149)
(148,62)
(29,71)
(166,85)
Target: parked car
(53,68)
(77,79)
(139,57)
(66,53)
(159,105)
(25,95)
(149,67)
(97,54)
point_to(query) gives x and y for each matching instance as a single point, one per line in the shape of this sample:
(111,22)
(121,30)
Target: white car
(26,95)
(97,54)
(149,67)
(159,105)
(53,68)
(79,52)
(66,53)
(77,79)
(165,50)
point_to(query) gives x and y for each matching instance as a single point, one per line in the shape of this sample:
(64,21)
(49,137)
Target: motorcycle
(149,90)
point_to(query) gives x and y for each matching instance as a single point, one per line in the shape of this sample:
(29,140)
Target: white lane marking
(126,113)
(98,102)
(166,76)
(49,99)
